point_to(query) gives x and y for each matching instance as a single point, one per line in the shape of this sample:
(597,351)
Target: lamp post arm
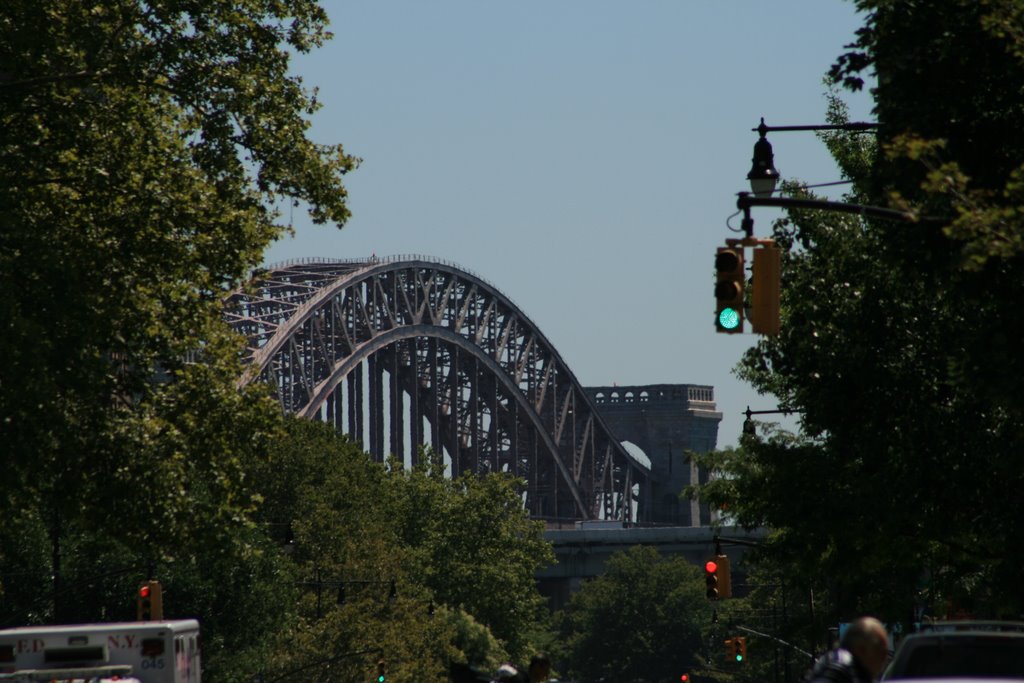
(745,201)
(853,126)
(776,639)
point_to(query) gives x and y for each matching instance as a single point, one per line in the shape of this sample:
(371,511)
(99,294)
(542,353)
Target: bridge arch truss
(409,351)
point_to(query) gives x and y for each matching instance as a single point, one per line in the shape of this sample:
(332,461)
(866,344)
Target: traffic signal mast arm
(746,201)
(780,641)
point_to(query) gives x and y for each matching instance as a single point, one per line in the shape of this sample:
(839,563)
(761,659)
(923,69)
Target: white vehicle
(145,651)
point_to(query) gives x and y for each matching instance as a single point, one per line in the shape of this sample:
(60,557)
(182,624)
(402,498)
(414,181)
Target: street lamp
(763,175)
(763,178)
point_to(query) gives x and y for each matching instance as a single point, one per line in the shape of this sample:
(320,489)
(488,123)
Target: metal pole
(745,201)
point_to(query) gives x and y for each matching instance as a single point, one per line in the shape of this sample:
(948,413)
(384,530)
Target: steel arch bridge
(408,350)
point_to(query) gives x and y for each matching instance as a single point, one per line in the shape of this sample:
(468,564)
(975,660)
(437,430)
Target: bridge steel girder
(494,392)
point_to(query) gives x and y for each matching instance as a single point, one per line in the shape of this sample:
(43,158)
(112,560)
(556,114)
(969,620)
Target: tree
(640,620)
(428,569)
(145,145)
(899,340)
(476,547)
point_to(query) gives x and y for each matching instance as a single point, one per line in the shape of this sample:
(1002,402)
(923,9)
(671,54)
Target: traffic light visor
(727,260)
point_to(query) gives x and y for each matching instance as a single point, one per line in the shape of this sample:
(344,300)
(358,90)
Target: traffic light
(729,282)
(150,601)
(724,576)
(381,672)
(767,273)
(711,579)
(717,578)
(736,649)
(685,678)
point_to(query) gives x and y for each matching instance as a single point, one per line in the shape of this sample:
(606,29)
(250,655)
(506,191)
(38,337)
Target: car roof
(972,625)
(958,679)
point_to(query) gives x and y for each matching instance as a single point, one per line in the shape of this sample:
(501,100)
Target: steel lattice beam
(387,350)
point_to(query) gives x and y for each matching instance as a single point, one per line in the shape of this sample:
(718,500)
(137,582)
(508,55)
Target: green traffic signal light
(729,318)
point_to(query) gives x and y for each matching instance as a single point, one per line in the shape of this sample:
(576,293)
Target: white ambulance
(145,651)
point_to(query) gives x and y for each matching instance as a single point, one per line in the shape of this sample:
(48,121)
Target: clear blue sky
(581,155)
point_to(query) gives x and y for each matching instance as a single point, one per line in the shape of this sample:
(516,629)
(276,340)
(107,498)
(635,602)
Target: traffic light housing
(724,576)
(717,578)
(150,601)
(767,287)
(711,579)
(736,649)
(381,671)
(730,279)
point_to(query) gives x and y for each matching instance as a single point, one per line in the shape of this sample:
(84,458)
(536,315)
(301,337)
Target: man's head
(868,642)
(540,667)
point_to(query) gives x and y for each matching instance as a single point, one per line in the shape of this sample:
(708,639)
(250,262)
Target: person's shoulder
(835,666)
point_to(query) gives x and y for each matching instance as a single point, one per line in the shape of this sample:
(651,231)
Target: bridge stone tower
(665,421)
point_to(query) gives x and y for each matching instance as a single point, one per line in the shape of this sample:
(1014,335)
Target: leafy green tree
(145,145)
(330,503)
(642,620)
(898,345)
(408,565)
(475,547)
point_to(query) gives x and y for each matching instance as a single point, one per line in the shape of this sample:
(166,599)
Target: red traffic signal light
(685,678)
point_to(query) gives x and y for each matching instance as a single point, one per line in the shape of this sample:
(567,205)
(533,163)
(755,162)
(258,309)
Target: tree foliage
(475,547)
(428,569)
(640,620)
(899,339)
(144,147)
